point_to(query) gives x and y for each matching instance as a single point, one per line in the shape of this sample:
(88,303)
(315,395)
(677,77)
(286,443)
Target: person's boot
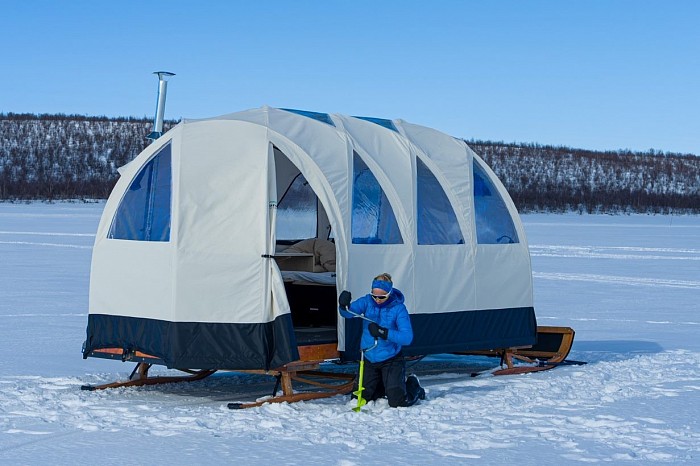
(413,388)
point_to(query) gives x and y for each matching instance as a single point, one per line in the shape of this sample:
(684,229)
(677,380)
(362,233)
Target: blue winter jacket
(392,315)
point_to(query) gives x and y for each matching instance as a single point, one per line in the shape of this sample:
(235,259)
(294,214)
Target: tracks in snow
(614,252)
(622,280)
(54,235)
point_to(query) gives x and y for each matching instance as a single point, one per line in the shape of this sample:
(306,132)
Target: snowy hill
(66,156)
(561,178)
(73,156)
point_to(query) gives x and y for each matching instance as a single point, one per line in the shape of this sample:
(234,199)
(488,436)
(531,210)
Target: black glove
(377,331)
(344,299)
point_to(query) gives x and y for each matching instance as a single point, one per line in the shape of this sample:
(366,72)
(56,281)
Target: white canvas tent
(184,264)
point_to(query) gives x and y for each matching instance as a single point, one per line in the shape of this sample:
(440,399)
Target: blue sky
(597,74)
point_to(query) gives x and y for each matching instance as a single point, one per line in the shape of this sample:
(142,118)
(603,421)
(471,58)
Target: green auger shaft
(360,401)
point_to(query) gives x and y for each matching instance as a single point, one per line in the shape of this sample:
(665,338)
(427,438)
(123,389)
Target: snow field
(628,285)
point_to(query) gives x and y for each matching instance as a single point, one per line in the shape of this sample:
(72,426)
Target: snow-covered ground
(628,285)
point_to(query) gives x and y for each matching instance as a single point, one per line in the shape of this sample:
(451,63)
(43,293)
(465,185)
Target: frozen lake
(628,285)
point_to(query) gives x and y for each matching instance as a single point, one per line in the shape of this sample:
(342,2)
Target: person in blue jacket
(389,324)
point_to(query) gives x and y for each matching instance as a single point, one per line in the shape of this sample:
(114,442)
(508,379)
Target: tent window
(437,222)
(144,212)
(388,124)
(373,220)
(297,211)
(494,225)
(322,117)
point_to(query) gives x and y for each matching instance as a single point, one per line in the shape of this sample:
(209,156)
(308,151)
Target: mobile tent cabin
(188,255)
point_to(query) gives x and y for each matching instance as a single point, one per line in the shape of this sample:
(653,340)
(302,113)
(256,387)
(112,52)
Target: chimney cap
(163,73)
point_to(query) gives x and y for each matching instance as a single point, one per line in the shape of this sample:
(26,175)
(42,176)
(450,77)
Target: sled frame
(306,370)
(552,348)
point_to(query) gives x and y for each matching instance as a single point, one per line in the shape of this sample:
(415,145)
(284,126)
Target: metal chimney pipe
(160,104)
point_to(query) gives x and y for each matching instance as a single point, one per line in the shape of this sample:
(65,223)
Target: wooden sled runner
(306,370)
(139,376)
(551,350)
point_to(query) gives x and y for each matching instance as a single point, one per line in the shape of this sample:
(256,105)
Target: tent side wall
(385,154)
(198,300)
(130,283)
(448,309)
(504,270)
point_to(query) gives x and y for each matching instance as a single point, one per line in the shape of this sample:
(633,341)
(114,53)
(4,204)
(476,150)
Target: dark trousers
(387,378)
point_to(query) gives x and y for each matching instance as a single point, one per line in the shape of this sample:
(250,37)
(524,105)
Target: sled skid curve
(303,372)
(551,350)
(139,377)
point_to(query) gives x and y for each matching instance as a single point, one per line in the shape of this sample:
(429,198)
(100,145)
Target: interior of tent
(305,254)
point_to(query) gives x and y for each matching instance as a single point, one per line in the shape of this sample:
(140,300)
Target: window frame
(316,210)
(495,194)
(150,201)
(419,222)
(395,234)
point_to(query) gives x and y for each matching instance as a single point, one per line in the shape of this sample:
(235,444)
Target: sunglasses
(380,297)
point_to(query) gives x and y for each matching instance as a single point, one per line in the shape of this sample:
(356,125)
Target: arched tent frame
(213,298)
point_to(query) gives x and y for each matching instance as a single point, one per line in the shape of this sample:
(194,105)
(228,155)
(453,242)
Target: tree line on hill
(549,178)
(52,157)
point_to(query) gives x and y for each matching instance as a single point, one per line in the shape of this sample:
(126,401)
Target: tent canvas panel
(236,282)
(132,278)
(367,263)
(447,332)
(506,200)
(222,233)
(471,330)
(121,288)
(503,276)
(212,310)
(444,279)
(197,345)
(391,167)
(453,163)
